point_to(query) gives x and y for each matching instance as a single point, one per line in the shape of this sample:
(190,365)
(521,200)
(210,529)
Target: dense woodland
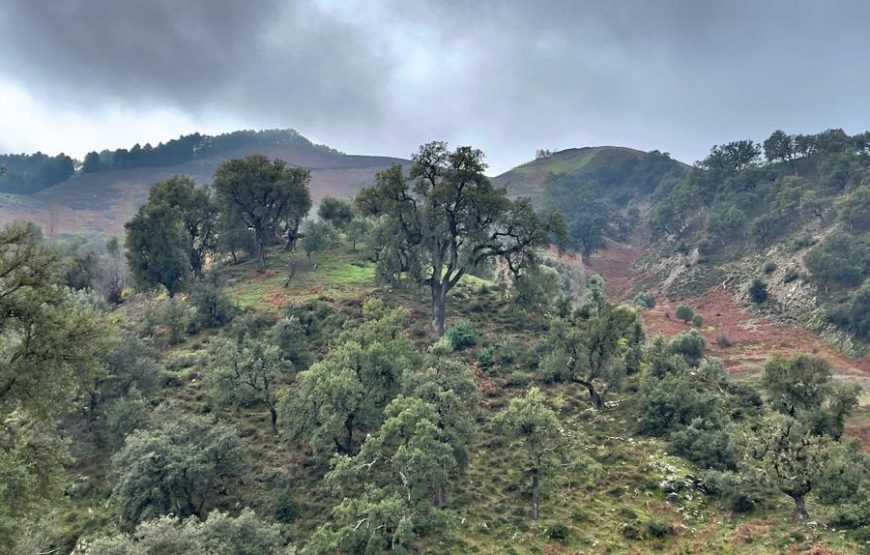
(414,370)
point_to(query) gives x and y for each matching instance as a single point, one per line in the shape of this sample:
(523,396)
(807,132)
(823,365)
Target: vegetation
(245,412)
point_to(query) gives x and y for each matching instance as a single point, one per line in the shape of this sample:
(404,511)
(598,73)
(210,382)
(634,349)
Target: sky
(382,77)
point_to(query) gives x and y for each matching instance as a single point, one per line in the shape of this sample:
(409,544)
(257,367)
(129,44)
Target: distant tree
(758,291)
(358,230)
(318,237)
(531,421)
(839,260)
(856,211)
(685,313)
(91,163)
(267,195)
(447,220)
(689,345)
(198,215)
(779,146)
(172,468)
(158,248)
(805,145)
(338,212)
(732,158)
(726,223)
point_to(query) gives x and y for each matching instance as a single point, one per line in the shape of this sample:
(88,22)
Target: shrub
(213,308)
(666,404)
(758,291)
(690,345)
(769,267)
(697,321)
(706,443)
(559,532)
(657,529)
(285,509)
(791,275)
(685,313)
(486,357)
(723,340)
(462,335)
(645,299)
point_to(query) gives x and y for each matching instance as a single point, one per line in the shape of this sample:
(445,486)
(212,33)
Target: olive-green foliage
(593,349)
(707,442)
(318,237)
(645,299)
(462,335)
(157,248)
(445,220)
(346,392)
(535,425)
(338,212)
(840,260)
(267,196)
(690,345)
(52,351)
(213,308)
(685,313)
(802,387)
(245,372)
(290,337)
(171,468)
(698,321)
(219,534)
(672,401)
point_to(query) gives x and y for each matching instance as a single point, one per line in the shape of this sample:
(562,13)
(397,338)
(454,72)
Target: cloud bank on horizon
(382,77)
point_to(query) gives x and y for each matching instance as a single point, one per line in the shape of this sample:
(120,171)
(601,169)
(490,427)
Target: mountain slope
(100,202)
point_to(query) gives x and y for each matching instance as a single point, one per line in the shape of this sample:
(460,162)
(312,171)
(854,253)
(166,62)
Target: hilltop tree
(197,211)
(731,158)
(266,195)
(779,146)
(158,248)
(446,219)
(91,163)
(531,421)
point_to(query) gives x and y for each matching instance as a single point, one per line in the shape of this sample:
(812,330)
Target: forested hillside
(415,370)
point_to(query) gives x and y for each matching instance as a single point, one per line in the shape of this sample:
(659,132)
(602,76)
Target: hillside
(100,202)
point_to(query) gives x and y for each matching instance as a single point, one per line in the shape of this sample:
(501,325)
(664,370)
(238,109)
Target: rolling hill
(100,202)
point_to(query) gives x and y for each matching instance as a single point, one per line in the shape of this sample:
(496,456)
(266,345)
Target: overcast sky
(373,77)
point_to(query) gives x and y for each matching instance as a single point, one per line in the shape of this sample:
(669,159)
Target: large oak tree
(445,219)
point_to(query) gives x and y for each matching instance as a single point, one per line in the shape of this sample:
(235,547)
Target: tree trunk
(440,496)
(260,238)
(597,399)
(536,495)
(274,417)
(439,308)
(800,507)
(348,443)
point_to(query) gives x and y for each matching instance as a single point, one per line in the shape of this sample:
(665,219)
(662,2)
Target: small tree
(591,350)
(758,291)
(358,230)
(318,237)
(157,248)
(248,371)
(690,345)
(685,313)
(532,422)
(337,212)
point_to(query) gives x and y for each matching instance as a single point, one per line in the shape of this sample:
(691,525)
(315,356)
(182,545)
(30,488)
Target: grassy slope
(491,508)
(528,179)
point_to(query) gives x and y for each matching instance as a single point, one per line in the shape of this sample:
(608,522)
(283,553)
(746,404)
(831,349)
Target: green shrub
(213,308)
(285,509)
(769,267)
(462,335)
(697,321)
(690,345)
(559,532)
(518,379)
(657,529)
(486,357)
(645,299)
(685,313)
(673,401)
(791,275)
(758,291)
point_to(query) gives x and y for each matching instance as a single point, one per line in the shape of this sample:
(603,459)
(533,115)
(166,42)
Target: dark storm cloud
(260,57)
(508,76)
